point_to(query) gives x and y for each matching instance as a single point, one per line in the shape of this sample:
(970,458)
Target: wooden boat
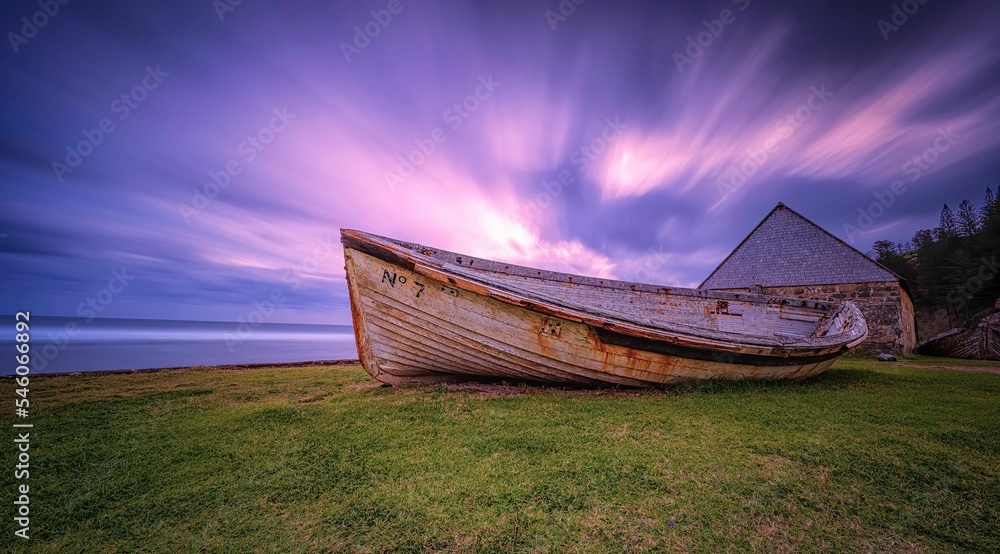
(978,340)
(424,315)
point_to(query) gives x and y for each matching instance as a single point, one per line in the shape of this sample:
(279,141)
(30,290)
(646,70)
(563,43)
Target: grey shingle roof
(786,249)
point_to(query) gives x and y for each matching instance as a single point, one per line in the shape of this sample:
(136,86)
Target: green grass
(867,457)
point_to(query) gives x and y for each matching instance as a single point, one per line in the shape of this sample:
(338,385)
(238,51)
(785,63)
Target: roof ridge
(841,241)
(841,244)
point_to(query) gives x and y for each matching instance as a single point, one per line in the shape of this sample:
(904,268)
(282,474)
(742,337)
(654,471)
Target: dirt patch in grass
(488,389)
(364,386)
(503,389)
(980,369)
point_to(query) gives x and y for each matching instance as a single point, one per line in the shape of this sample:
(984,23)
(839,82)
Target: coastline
(226,367)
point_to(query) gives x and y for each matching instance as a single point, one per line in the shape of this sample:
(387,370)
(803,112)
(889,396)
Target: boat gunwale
(409,256)
(355,236)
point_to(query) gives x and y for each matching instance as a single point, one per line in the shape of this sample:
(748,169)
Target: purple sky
(612,144)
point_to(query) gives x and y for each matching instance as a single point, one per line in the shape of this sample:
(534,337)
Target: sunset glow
(473,127)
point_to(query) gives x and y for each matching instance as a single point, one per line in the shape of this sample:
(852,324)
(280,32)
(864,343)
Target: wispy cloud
(662,171)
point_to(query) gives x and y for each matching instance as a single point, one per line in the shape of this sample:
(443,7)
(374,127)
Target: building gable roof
(787,249)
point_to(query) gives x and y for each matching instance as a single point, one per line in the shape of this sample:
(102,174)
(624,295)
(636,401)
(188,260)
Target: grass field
(867,457)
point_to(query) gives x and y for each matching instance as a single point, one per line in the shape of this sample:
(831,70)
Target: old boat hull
(978,341)
(420,317)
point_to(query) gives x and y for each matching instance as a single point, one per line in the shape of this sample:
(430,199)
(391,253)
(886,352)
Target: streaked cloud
(589,153)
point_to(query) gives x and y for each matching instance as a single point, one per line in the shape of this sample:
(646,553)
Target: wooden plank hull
(980,342)
(415,324)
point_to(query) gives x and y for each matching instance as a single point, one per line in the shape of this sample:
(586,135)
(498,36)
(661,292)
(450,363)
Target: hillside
(953,270)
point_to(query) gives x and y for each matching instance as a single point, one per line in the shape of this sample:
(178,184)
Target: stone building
(788,255)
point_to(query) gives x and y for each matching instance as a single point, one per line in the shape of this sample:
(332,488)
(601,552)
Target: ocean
(64,344)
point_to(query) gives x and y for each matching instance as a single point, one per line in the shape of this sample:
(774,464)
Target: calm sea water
(57,346)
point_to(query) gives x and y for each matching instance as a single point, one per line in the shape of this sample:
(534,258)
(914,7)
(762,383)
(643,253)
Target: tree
(923,238)
(958,260)
(989,205)
(883,250)
(947,225)
(968,219)
(960,266)
(988,240)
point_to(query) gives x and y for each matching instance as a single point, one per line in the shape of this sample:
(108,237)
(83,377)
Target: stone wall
(887,308)
(909,324)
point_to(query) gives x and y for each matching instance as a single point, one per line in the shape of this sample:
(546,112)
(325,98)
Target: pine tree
(883,250)
(947,226)
(923,238)
(989,205)
(968,219)
(988,240)
(960,265)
